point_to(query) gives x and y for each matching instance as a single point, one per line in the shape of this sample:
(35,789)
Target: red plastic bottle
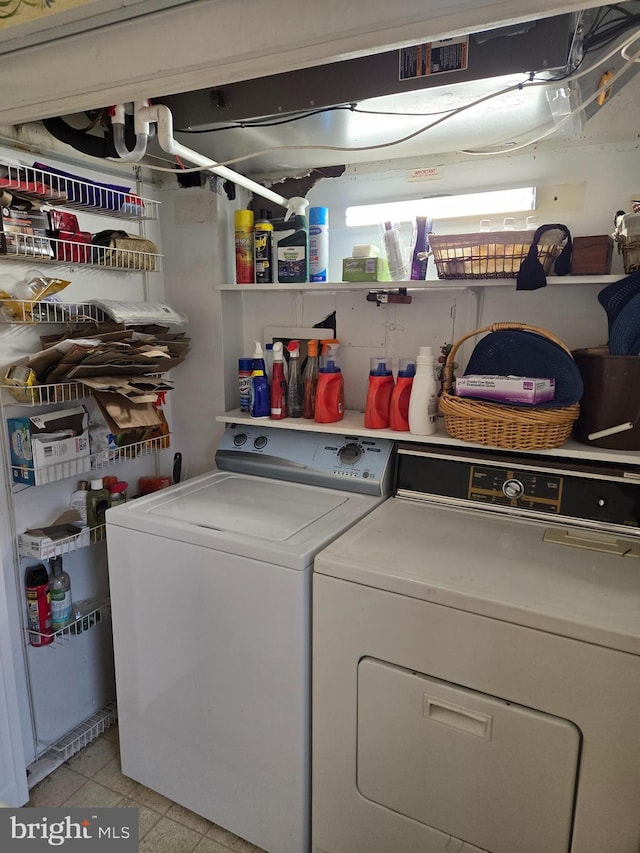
(399,408)
(376,412)
(330,390)
(278,387)
(36,583)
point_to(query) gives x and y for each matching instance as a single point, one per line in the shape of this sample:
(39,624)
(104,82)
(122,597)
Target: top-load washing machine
(211,602)
(476,662)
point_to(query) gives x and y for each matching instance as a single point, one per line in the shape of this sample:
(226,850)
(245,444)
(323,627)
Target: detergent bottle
(330,390)
(399,407)
(423,402)
(376,412)
(310,381)
(278,384)
(294,383)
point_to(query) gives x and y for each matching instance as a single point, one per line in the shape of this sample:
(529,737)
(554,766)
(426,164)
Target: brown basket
(511,427)
(494,254)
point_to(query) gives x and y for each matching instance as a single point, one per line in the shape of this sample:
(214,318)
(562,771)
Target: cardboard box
(24,232)
(50,446)
(59,538)
(592,255)
(506,389)
(365,269)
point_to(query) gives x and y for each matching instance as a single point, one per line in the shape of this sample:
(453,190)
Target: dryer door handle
(457,717)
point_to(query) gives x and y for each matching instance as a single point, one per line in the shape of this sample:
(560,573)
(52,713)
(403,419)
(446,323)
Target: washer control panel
(352,463)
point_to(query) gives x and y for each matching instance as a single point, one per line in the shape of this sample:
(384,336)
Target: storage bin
(492,254)
(611,397)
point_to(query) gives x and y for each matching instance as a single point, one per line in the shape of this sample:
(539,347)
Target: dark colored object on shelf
(519,352)
(592,255)
(611,398)
(531,275)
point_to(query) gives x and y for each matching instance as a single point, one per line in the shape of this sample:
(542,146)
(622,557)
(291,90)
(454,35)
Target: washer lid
(281,523)
(260,508)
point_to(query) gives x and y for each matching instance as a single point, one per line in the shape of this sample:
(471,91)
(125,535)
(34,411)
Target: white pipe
(161,114)
(142,135)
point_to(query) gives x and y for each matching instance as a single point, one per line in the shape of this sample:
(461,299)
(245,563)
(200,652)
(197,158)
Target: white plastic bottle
(423,402)
(393,249)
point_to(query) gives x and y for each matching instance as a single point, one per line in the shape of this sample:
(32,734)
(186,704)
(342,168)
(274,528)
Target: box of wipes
(506,389)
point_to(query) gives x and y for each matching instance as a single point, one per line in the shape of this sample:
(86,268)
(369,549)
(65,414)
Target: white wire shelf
(130,451)
(91,612)
(29,312)
(50,250)
(62,470)
(46,548)
(87,731)
(76,193)
(41,395)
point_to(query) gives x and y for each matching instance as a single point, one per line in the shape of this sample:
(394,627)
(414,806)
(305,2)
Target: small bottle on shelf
(60,592)
(423,402)
(97,503)
(294,383)
(79,500)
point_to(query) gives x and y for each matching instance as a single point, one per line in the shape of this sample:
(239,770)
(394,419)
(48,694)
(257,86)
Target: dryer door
(495,774)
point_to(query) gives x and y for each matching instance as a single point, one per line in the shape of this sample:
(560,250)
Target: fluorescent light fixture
(444,207)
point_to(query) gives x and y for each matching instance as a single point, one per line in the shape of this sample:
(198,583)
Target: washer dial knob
(350,453)
(260,442)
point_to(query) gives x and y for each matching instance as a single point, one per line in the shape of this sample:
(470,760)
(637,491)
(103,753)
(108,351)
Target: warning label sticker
(422,60)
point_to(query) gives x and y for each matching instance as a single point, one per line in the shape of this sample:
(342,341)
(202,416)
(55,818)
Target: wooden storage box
(592,255)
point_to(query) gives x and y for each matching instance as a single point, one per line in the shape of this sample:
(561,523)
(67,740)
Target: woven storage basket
(511,427)
(630,250)
(494,254)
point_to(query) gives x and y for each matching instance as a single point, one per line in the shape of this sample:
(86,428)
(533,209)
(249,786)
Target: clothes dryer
(476,662)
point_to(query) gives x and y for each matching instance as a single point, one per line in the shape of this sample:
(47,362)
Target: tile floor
(92,777)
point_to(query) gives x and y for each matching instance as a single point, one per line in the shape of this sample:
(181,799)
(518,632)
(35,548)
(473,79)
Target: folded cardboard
(50,446)
(506,389)
(365,269)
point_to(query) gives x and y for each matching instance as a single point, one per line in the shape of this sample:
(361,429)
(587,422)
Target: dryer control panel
(603,496)
(347,462)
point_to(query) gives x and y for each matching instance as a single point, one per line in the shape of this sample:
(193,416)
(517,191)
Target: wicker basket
(494,254)
(511,427)
(630,250)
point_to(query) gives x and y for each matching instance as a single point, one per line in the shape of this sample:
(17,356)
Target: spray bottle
(399,407)
(423,403)
(260,407)
(294,384)
(310,381)
(293,250)
(376,413)
(278,384)
(330,391)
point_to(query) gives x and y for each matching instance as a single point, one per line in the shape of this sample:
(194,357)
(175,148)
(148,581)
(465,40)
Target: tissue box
(506,389)
(49,447)
(365,269)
